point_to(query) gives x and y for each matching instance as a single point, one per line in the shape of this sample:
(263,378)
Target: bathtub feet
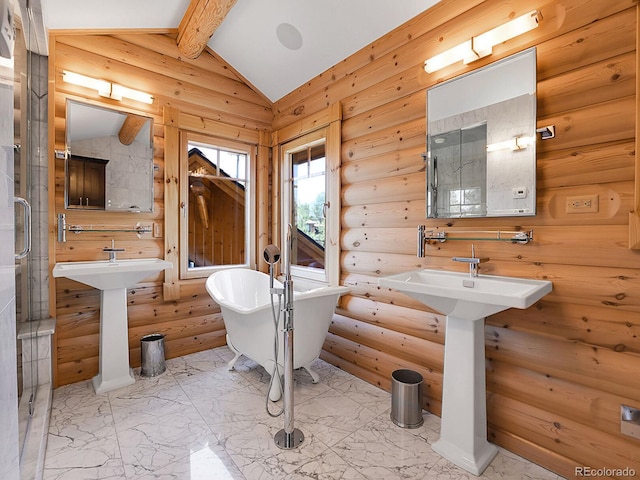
(233,361)
(314,376)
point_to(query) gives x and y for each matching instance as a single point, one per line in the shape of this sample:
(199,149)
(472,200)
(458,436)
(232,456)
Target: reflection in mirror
(109,159)
(481,157)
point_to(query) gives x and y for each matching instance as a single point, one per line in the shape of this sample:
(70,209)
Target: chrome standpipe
(289,437)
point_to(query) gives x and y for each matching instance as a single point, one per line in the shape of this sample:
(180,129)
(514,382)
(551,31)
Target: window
(217,205)
(308,206)
(308,182)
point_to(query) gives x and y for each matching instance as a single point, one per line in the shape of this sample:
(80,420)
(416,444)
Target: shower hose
(276,370)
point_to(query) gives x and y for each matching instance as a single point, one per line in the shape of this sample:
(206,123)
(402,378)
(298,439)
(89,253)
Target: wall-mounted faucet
(425,235)
(422,240)
(62,227)
(473,261)
(112,251)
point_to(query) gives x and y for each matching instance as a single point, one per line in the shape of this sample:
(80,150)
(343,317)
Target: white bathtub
(245,300)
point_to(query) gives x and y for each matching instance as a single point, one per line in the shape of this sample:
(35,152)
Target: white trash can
(152,355)
(406,398)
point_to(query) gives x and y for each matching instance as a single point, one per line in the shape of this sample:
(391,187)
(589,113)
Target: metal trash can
(152,353)
(406,398)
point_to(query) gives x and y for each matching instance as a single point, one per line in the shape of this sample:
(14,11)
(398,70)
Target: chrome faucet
(473,261)
(421,241)
(112,251)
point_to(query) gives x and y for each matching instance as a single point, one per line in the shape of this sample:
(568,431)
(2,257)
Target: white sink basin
(105,275)
(466,301)
(462,296)
(112,279)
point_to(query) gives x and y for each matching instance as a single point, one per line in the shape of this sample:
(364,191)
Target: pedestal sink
(466,301)
(113,279)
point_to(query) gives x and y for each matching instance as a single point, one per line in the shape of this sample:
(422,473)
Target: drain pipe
(289,437)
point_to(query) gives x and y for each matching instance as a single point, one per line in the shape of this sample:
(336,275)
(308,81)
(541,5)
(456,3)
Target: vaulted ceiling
(275,45)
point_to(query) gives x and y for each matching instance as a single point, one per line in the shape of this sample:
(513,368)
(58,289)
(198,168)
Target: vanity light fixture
(118,92)
(102,86)
(482,45)
(516,143)
(106,89)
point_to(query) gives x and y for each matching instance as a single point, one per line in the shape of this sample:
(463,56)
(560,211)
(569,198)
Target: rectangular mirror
(481,141)
(109,159)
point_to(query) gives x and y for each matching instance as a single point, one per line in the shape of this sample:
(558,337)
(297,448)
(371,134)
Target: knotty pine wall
(204,88)
(557,372)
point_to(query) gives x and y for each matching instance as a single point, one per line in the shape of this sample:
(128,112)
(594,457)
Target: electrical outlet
(582,204)
(157,230)
(630,421)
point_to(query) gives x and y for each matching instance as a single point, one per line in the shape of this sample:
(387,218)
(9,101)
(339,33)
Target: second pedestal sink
(112,278)
(466,301)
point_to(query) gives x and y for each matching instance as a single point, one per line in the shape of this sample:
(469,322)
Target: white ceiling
(320,33)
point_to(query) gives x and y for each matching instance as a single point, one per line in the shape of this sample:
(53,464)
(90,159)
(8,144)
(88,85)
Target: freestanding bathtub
(245,300)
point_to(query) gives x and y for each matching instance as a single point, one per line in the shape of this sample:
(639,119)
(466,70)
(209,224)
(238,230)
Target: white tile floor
(201,421)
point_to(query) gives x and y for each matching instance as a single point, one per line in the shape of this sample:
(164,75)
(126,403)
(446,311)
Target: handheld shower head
(271,254)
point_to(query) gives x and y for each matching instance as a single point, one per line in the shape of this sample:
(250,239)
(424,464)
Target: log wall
(203,88)
(557,372)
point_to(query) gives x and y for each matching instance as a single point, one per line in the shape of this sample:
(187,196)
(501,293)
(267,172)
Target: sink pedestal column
(463,430)
(114,371)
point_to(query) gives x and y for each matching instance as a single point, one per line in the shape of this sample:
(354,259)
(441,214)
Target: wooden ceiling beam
(198,24)
(130,128)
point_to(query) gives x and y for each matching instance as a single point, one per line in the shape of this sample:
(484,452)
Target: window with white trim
(217,204)
(308,183)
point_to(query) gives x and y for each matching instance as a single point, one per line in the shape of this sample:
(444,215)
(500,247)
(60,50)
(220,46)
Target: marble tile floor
(200,421)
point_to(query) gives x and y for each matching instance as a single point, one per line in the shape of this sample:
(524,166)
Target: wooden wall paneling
(395,163)
(602,81)
(399,344)
(402,213)
(583,336)
(593,164)
(165,46)
(377,367)
(390,139)
(536,453)
(581,340)
(366,286)
(599,326)
(290,107)
(583,404)
(165,89)
(562,435)
(435,34)
(591,35)
(417,323)
(150,60)
(196,92)
(263,178)
(634,215)
(582,364)
(172,204)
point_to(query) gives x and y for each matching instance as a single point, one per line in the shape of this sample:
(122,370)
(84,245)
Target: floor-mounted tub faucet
(473,261)
(112,251)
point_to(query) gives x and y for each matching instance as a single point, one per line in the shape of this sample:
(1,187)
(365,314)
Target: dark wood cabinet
(86,182)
